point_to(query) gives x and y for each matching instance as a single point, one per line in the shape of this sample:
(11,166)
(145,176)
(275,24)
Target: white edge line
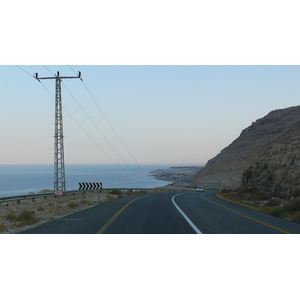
(186,217)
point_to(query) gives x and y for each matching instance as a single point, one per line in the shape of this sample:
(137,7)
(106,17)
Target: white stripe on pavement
(185,216)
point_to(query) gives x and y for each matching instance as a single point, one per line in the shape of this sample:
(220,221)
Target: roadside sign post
(225,186)
(98,196)
(58,194)
(90,186)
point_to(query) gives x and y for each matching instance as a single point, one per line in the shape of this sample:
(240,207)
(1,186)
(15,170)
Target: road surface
(168,213)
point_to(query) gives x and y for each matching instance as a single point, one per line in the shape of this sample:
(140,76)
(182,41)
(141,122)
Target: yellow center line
(113,218)
(246,216)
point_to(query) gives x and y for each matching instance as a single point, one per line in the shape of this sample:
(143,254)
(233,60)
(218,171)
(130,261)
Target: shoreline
(178,176)
(17,180)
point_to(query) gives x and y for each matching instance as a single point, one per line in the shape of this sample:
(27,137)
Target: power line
(50,71)
(25,71)
(100,146)
(110,124)
(101,131)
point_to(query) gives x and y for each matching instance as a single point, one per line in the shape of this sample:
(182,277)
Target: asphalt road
(168,213)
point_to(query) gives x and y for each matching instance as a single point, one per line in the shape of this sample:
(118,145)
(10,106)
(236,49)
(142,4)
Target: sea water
(23,179)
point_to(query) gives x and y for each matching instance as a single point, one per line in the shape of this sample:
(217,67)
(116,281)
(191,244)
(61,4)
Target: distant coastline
(178,176)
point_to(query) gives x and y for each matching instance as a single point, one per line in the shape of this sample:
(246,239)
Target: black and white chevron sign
(90,186)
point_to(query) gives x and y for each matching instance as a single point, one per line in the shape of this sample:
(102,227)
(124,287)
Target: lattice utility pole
(59,161)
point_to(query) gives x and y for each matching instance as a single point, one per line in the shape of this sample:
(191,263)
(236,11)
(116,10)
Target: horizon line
(151,164)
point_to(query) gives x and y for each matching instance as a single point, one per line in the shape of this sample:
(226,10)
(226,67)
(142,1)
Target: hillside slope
(278,127)
(277,171)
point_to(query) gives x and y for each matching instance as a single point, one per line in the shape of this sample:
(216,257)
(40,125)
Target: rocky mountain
(278,127)
(277,171)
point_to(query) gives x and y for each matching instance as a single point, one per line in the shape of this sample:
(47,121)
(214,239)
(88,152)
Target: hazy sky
(163,114)
(178,81)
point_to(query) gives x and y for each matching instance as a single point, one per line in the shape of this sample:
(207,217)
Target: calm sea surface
(22,179)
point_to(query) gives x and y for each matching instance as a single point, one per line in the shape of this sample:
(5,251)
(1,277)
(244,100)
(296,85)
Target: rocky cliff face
(277,171)
(278,127)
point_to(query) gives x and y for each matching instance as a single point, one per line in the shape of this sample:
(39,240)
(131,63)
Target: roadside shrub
(109,198)
(265,210)
(116,192)
(242,190)
(249,195)
(26,218)
(255,203)
(279,212)
(132,193)
(226,191)
(73,205)
(257,195)
(273,202)
(295,217)
(10,217)
(276,211)
(2,227)
(293,206)
(84,202)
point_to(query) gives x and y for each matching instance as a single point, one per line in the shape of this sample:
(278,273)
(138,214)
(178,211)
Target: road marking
(69,219)
(113,218)
(245,215)
(186,217)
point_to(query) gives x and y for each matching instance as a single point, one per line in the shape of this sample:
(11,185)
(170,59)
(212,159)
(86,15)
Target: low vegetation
(10,216)
(84,202)
(73,205)
(295,217)
(116,192)
(26,218)
(273,204)
(133,193)
(2,227)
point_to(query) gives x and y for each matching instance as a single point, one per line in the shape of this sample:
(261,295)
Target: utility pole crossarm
(36,76)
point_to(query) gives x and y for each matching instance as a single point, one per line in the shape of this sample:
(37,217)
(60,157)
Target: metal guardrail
(30,196)
(51,194)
